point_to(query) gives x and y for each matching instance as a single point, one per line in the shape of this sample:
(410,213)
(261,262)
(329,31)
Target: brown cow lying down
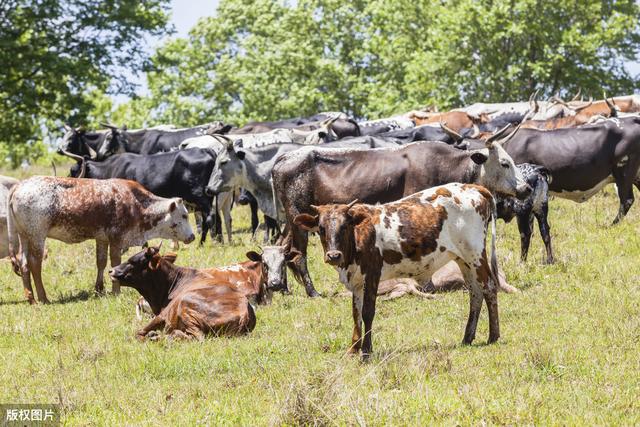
(412,237)
(187,303)
(117,213)
(256,278)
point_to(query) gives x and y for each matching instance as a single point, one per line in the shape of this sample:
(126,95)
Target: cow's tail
(498,281)
(14,237)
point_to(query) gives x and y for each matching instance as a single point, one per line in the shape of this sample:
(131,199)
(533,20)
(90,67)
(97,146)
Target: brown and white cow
(187,303)
(412,237)
(116,213)
(257,278)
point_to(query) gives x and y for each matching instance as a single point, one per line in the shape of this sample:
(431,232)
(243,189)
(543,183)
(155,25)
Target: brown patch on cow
(420,229)
(387,221)
(391,257)
(484,206)
(456,200)
(440,192)
(482,271)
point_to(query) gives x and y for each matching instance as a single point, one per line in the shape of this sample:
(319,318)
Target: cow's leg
(625,177)
(543,224)
(481,279)
(26,275)
(102,248)
(525,226)
(36,252)
(475,302)
(115,251)
(206,215)
(198,217)
(225,208)
(299,242)
(356,310)
(255,221)
(155,324)
(491,298)
(368,313)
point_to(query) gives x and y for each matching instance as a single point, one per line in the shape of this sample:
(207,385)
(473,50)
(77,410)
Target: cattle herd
(394,198)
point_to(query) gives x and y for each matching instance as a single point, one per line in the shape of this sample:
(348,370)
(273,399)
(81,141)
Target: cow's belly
(75,234)
(421,270)
(580,196)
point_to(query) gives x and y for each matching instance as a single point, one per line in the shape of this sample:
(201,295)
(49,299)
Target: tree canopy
(54,52)
(265,59)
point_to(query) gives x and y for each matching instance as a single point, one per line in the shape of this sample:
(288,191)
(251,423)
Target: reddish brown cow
(456,120)
(187,302)
(116,213)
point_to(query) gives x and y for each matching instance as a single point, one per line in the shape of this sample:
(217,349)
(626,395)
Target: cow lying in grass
(412,237)
(187,303)
(256,278)
(116,213)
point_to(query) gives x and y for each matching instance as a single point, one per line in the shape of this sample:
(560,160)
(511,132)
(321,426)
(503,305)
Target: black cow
(259,127)
(82,143)
(182,174)
(583,160)
(419,133)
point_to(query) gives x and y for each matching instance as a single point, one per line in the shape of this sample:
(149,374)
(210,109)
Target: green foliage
(53,52)
(258,60)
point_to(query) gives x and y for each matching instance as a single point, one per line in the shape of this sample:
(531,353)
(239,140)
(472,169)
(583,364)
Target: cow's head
(228,169)
(497,170)
(79,142)
(175,224)
(114,142)
(336,225)
(274,261)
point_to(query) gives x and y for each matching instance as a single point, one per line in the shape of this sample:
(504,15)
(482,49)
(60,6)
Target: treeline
(264,59)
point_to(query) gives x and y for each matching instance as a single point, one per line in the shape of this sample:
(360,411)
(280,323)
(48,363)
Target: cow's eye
(505,164)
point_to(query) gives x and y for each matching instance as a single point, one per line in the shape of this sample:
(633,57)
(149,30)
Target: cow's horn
(452,133)
(575,98)
(497,134)
(350,205)
(576,109)
(476,131)
(73,156)
(108,125)
(314,207)
(67,127)
(92,152)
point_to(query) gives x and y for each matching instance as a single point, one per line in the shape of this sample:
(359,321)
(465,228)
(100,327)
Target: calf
(536,204)
(256,278)
(412,237)
(115,212)
(186,302)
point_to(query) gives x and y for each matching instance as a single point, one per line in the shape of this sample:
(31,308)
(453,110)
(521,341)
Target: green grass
(569,351)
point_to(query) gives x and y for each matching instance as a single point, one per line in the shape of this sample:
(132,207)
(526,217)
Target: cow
(181,174)
(412,237)
(259,127)
(418,133)
(116,213)
(320,176)
(375,127)
(456,120)
(623,104)
(257,278)
(583,160)
(584,115)
(187,303)
(250,169)
(535,205)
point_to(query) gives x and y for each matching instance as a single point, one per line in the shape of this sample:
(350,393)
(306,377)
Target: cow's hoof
(313,294)
(366,357)
(467,341)
(153,336)
(493,339)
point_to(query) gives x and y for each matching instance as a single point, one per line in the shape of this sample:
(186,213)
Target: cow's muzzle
(523,191)
(276,285)
(333,257)
(190,239)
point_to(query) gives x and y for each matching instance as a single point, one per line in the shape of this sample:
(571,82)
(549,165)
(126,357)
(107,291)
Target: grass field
(569,351)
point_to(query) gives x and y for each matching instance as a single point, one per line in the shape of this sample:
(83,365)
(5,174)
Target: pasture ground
(569,352)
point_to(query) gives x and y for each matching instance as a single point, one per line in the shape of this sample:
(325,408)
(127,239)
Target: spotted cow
(412,237)
(116,213)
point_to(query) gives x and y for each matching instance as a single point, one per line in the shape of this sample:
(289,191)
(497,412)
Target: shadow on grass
(79,296)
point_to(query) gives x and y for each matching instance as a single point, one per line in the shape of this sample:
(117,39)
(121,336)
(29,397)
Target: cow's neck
(163,284)
(256,278)
(474,174)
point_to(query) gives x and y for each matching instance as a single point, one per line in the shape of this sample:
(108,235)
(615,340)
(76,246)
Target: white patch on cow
(580,196)
(235,268)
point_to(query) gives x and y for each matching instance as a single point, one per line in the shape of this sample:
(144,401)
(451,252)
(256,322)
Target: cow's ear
(291,255)
(172,206)
(170,257)
(480,156)
(307,222)
(254,256)
(154,262)
(357,214)
(240,154)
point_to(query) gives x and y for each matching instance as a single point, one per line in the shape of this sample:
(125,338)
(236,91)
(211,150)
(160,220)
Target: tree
(54,52)
(263,59)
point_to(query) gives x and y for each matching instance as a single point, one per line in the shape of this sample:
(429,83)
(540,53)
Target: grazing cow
(257,278)
(116,213)
(187,303)
(583,160)
(535,205)
(320,176)
(182,174)
(412,237)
